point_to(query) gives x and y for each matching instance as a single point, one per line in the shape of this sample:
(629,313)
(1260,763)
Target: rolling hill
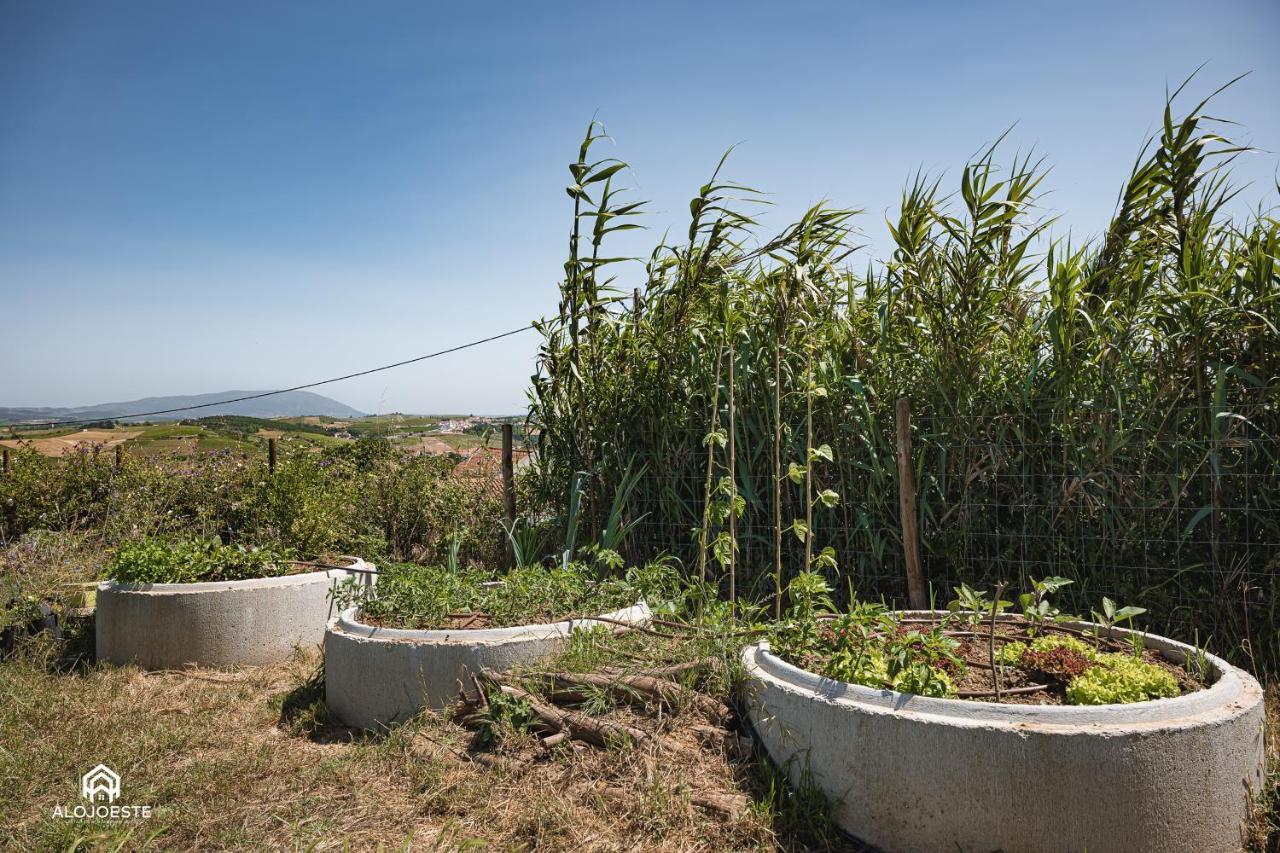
(291,404)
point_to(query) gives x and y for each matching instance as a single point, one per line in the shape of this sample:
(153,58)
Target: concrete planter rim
(1230,691)
(299,579)
(348,622)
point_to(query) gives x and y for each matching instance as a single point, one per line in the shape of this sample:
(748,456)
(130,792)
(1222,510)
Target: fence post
(271,455)
(508,474)
(916,593)
(8,465)
(119,456)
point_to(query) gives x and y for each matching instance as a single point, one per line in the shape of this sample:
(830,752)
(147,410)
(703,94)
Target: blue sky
(201,196)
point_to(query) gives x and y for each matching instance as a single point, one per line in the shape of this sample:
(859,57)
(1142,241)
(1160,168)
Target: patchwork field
(414,433)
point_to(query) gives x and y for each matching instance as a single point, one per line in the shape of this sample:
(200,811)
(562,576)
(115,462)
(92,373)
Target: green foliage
(423,597)
(864,645)
(1059,391)
(1010,654)
(361,497)
(973,604)
(1113,615)
(1036,606)
(193,561)
(1121,678)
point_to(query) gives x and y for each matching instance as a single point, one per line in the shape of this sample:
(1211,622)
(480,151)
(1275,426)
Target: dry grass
(1264,830)
(246,759)
(57,446)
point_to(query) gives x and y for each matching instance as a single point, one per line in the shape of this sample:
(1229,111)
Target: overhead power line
(282,390)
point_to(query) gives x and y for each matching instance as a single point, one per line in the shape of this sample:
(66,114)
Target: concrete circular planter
(221,623)
(910,773)
(377,676)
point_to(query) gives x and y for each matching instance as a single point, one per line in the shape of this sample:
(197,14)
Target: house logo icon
(100,783)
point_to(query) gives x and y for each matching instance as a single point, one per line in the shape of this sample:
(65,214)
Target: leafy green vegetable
(193,561)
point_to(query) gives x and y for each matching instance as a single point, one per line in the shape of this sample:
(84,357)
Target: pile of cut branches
(605,709)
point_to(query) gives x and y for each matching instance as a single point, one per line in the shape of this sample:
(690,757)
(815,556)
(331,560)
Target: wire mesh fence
(1182,518)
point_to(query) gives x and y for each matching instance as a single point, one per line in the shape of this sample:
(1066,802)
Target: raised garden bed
(918,772)
(247,621)
(422,637)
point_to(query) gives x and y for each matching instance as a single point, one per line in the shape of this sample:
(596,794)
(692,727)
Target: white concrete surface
(377,676)
(226,623)
(911,773)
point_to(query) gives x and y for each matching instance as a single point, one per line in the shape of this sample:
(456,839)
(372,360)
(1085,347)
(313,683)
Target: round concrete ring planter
(378,676)
(219,623)
(911,773)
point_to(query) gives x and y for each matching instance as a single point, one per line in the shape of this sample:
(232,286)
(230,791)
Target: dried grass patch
(248,758)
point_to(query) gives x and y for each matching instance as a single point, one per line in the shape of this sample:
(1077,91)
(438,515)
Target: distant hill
(293,404)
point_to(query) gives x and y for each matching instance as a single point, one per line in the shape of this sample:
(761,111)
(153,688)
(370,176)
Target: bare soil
(57,446)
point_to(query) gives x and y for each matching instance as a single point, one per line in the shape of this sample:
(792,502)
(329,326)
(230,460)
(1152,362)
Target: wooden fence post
(508,474)
(916,592)
(271,455)
(119,456)
(8,464)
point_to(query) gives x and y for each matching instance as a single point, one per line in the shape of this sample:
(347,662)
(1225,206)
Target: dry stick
(733,489)
(679,668)
(991,648)
(642,629)
(629,688)
(509,490)
(907,509)
(706,496)
(808,462)
(579,726)
(777,470)
(481,698)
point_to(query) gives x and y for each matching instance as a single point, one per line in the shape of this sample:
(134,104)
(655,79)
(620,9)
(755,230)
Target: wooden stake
(508,474)
(916,593)
(733,490)
(119,456)
(271,455)
(8,464)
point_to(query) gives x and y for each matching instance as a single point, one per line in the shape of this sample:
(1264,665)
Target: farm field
(248,436)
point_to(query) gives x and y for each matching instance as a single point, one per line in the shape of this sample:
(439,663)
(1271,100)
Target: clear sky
(203,196)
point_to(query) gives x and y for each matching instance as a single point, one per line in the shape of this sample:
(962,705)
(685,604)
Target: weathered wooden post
(271,455)
(508,473)
(119,456)
(8,464)
(916,592)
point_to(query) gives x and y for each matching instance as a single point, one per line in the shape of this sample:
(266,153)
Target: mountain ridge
(287,404)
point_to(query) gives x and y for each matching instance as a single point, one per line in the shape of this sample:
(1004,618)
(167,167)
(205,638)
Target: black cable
(281,391)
